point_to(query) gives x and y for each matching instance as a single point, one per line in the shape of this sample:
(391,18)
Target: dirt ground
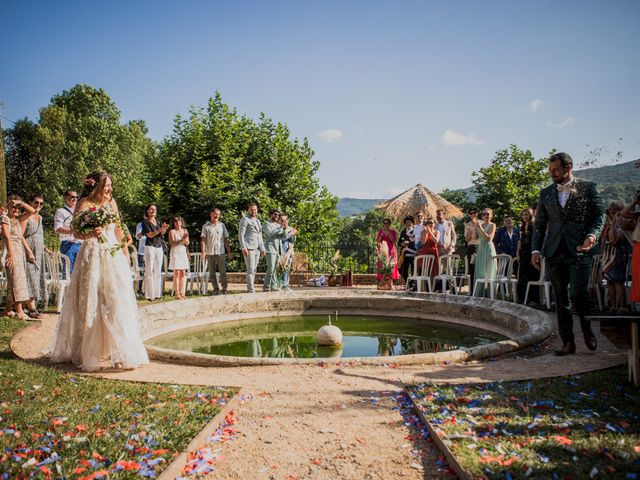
(333,421)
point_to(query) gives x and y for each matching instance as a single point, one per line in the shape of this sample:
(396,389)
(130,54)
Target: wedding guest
(251,243)
(214,243)
(286,251)
(178,255)
(388,236)
(141,240)
(69,245)
(615,270)
(471,237)
(408,245)
(273,236)
(571,214)
(34,235)
(507,238)
(527,272)
(153,252)
(430,241)
(417,229)
(448,236)
(632,212)
(485,266)
(17,255)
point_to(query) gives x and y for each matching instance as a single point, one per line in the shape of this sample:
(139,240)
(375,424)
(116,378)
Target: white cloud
(534,105)
(332,135)
(451,138)
(564,123)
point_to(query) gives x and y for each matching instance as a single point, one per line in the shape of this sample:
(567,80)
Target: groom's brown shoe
(568,348)
(590,339)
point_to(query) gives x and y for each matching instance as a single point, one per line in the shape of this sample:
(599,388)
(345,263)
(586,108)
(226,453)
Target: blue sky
(389,94)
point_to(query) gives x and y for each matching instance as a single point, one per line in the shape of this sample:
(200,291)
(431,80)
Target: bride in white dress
(98,325)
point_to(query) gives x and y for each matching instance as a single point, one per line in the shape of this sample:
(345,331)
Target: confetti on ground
(573,427)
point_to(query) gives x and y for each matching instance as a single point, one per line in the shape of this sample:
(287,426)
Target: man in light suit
(286,251)
(571,214)
(251,243)
(274,234)
(448,236)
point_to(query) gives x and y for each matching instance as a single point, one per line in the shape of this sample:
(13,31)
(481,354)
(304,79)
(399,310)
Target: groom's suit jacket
(582,215)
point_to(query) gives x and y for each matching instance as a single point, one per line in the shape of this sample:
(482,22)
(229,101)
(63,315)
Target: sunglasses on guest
(485,214)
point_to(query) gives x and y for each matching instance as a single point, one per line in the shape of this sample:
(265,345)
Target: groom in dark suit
(571,215)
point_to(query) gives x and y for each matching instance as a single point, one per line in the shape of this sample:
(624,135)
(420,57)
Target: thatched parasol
(419,199)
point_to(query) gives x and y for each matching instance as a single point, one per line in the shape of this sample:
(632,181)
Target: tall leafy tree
(511,182)
(218,157)
(79,131)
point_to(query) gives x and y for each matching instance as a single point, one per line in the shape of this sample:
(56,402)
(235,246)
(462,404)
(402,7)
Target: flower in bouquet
(86,221)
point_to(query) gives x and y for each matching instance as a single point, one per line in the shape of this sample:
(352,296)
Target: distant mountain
(616,182)
(354,206)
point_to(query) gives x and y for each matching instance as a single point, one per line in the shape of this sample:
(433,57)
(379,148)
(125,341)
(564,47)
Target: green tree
(511,182)
(22,160)
(458,197)
(79,131)
(218,157)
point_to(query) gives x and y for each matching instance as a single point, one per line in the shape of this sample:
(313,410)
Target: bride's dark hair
(93,183)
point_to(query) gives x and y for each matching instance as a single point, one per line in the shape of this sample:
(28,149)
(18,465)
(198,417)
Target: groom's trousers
(570,279)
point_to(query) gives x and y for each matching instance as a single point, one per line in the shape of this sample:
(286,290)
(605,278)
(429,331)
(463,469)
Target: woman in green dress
(485,266)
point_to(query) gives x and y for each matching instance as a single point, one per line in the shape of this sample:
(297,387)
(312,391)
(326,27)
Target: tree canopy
(216,157)
(79,131)
(511,182)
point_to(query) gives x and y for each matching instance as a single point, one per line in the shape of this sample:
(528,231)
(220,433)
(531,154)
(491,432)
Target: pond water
(294,337)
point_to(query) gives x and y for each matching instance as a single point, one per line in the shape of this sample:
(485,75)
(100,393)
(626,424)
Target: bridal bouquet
(86,221)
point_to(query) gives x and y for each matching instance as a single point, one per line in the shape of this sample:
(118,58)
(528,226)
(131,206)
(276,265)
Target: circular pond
(258,329)
(294,337)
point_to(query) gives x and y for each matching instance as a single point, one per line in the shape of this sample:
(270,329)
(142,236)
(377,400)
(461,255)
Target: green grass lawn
(583,426)
(55,424)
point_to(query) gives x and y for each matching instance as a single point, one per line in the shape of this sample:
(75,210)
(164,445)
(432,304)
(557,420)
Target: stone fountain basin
(523,327)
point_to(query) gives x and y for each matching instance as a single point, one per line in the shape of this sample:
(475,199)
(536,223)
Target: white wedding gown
(98,326)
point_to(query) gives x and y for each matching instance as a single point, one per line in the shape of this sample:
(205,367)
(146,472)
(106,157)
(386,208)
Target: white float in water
(329,335)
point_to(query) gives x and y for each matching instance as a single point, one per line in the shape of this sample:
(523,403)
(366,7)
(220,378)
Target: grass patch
(55,424)
(582,426)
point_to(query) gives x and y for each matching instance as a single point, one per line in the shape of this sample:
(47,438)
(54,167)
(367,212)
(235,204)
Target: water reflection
(294,337)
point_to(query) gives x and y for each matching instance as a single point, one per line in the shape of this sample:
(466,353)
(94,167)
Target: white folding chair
(422,273)
(197,273)
(448,266)
(595,278)
(498,279)
(57,277)
(465,277)
(544,285)
(4,284)
(166,273)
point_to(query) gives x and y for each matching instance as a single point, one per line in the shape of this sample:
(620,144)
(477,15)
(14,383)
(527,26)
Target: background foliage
(79,131)
(216,157)
(511,182)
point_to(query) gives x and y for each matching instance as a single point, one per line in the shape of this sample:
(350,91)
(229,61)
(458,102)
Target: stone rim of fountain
(524,327)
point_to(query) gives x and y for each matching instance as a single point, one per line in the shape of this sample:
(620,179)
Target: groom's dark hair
(565,159)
